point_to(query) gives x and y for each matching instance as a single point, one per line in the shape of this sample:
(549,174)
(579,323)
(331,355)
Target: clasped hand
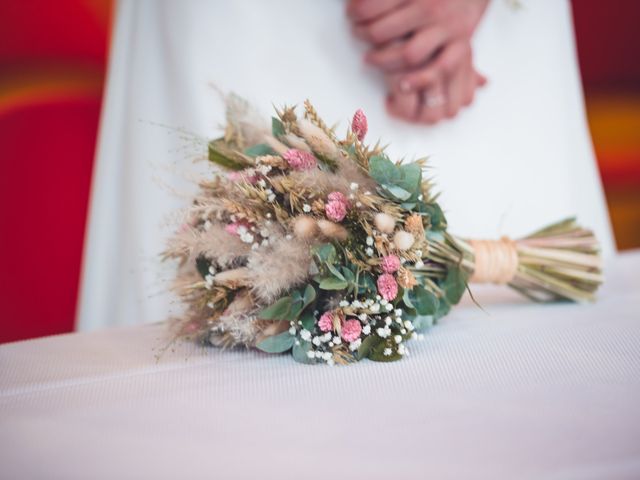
(424,49)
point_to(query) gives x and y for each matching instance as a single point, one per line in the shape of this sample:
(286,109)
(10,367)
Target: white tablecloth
(520,392)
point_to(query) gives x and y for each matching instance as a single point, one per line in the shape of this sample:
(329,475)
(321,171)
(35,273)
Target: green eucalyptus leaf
(259,150)
(422,322)
(377,352)
(296,309)
(367,344)
(333,283)
(425,302)
(443,309)
(299,352)
(411,179)
(454,284)
(326,252)
(277,311)
(396,192)
(308,320)
(366,284)
(383,170)
(277,343)
(436,216)
(348,275)
(336,273)
(309,296)
(277,127)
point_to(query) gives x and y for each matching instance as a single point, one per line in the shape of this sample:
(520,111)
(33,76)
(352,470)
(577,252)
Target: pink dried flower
(390,264)
(299,159)
(387,286)
(359,124)
(336,211)
(326,322)
(337,197)
(351,330)
(243,176)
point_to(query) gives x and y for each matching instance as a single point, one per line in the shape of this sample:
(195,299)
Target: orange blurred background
(53,59)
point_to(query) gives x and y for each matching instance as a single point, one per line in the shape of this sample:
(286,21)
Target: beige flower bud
(305,227)
(238,277)
(333,230)
(384,222)
(403,240)
(318,140)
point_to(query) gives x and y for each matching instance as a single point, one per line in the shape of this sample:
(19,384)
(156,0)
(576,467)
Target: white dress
(520,157)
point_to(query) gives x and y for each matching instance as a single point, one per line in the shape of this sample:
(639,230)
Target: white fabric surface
(521,392)
(519,158)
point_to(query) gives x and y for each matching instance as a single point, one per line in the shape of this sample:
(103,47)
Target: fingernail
(404,85)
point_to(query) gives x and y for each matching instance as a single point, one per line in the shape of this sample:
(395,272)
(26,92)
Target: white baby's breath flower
(344,303)
(354,186)
(387,321)
(311,354)
(369,251)
(207,225)
(398,312)
(292,330)
(387,352)
(369,240)
(388,307)
(402,350)
(366,329)
(305,334)
(419,264)
(375,308)
(397,339)
(362,317)
(306,208)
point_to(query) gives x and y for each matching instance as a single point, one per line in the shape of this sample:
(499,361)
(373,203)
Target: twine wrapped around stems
(561,261)
(496,261)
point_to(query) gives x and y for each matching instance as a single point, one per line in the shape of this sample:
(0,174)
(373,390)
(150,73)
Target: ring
(434,101)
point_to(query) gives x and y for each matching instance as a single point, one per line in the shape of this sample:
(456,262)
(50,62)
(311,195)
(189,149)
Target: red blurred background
(52,69)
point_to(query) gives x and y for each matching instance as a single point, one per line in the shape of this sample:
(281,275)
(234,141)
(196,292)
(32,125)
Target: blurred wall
(52,68)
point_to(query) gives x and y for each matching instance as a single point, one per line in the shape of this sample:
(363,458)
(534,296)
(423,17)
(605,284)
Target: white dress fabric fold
(519,158)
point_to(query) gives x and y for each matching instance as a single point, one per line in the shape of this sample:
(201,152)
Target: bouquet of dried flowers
(324,247)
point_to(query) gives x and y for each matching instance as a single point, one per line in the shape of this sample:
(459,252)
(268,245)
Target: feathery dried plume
(278,268)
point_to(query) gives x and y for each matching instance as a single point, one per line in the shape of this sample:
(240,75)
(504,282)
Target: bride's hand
(408,33)
(437,90)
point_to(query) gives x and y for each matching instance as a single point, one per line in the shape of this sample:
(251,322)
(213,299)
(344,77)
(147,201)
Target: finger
(456,85)
(432,108)
(368,10)
(388,58)
(403,105)
(469,89)
(424,44)
(396,25)
(481,80)
(442,66)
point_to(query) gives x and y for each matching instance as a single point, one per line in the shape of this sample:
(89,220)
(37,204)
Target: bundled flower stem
(328,249)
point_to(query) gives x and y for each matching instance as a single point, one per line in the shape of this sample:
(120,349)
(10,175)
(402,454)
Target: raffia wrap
(496,261)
